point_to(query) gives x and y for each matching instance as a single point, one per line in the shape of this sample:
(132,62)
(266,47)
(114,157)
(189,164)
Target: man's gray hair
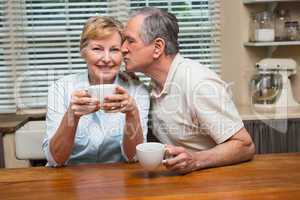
(159,24)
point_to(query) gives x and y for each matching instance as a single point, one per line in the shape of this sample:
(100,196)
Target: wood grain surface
(272,176)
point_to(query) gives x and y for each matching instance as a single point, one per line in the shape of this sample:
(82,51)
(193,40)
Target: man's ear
(159,47)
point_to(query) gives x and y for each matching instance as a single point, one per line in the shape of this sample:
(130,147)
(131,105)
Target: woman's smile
(104,57)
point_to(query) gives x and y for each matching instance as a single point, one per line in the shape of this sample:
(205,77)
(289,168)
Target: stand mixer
(271,87)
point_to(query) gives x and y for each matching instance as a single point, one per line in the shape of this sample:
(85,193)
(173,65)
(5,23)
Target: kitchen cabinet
(256,51)
(275,136)
(239,56)
(267,1)
(9,124)
(271,46)
(269,136)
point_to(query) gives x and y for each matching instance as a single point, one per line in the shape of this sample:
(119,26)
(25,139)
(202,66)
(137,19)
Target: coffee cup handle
(166,157)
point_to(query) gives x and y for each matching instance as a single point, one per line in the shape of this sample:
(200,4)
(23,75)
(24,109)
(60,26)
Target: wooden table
(266,177)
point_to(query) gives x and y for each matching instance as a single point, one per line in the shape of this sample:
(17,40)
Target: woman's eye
(96,49)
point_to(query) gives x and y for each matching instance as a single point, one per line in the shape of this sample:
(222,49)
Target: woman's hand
(120,102)
(82,103)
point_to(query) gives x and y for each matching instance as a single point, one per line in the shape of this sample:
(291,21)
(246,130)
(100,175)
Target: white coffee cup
(101,91)
(150,155)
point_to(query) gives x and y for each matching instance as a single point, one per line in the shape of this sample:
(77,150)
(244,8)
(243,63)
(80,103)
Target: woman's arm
(62,142)
(133,132)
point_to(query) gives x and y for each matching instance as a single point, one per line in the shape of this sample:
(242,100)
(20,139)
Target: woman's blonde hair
(99,27)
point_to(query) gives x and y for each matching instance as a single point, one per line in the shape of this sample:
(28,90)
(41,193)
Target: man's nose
(124,48)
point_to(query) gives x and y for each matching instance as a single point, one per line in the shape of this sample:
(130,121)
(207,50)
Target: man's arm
(236,149)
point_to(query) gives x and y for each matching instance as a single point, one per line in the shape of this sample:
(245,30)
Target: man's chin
(129,68)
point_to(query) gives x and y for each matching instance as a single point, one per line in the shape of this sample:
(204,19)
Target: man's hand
(182,161)
(238,148)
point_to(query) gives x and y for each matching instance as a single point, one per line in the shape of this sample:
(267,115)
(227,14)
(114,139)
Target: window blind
(39,41)
(42,45)
(199,28)
(7,52)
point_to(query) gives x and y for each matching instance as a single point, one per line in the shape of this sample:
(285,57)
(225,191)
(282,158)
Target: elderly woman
(79,128)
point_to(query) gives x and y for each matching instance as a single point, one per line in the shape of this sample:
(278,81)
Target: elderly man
(192,111)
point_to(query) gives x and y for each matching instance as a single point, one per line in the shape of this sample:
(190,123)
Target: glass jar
(254,25)
(282,16)
(265,30)
(292,29)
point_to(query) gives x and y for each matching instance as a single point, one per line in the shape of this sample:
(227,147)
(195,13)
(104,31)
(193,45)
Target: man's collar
(154,93)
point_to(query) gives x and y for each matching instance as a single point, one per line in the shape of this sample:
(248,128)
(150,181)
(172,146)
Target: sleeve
(142,99)
(56,109)
(215,110)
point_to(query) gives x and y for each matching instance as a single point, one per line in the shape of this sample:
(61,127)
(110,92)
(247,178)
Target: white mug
(150,155)
(101,91)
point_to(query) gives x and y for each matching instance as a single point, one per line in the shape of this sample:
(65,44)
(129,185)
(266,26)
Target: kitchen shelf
(268,1)
(270,44)
(272,4)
